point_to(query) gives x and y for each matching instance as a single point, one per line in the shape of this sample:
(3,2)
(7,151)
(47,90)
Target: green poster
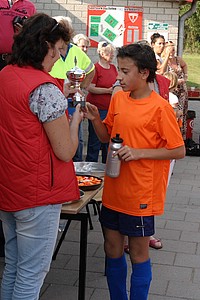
(94,30)
(95,19)
(109,35)
(111,21)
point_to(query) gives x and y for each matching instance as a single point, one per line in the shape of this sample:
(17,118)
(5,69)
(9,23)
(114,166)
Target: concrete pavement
(176,267)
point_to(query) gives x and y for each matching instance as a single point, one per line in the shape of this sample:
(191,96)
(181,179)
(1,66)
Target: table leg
(83,218)
(89,217)
(61,240)
(83,256)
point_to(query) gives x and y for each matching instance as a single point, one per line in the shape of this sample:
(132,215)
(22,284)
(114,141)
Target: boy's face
(129,76)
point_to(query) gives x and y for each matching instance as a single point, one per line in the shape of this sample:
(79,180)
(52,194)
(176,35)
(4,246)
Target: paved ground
(176,267)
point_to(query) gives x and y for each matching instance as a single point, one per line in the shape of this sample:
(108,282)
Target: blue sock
(140,280)
(116,272)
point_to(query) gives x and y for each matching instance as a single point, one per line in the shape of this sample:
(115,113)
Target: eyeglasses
(54,27)
(105,44)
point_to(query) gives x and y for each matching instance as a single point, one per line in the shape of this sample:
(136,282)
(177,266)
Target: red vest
(30,174)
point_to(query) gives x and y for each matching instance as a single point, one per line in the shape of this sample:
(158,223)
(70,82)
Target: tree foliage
(191,29)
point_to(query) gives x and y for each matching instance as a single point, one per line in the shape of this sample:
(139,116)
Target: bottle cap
(117,139)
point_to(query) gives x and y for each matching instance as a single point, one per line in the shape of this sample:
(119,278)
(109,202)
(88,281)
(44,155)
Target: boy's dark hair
(156,36)
(143,57)
(31,44)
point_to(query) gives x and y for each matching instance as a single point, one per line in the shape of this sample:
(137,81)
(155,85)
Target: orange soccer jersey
(142,123)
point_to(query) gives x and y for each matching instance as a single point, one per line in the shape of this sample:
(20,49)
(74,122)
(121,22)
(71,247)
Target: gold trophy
(76,76)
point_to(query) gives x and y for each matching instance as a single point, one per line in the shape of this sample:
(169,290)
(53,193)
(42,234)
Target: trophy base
(82,103)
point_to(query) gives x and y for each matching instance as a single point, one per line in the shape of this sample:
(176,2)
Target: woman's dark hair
(143,57)
(156,36)
(32,43)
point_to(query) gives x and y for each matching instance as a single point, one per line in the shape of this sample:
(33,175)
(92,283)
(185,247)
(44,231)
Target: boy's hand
(127,153)
(91,112)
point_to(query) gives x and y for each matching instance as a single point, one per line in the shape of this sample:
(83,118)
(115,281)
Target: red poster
(114,24)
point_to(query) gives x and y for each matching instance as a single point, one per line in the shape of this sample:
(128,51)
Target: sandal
(126,249)
(155,243)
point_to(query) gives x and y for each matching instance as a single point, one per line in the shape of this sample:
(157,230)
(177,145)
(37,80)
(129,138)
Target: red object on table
(194,94)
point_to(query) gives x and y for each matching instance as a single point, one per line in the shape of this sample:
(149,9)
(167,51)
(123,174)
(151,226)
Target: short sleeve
(109,119)
(168,128)
(47,102)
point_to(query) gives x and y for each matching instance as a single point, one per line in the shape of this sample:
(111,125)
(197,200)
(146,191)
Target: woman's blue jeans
(30,237)
(94,145)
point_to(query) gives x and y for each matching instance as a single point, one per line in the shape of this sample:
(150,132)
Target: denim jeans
(94,145)
(2,240)
(30,237)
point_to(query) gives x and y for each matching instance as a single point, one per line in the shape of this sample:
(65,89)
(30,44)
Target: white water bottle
(113,163)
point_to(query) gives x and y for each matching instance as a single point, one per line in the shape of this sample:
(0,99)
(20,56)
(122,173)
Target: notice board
(114,24)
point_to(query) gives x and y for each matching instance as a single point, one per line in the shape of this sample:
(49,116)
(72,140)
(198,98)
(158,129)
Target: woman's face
(83,44)
(63,48)
(59,46)
(53,55)
(172,51)
(107,55)
(158,46)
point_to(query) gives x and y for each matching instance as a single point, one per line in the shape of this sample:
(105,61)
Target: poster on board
(161,28)
(114,24)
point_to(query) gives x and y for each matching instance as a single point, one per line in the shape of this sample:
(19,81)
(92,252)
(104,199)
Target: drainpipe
(181,24)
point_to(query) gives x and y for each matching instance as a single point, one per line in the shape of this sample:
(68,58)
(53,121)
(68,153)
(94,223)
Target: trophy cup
(76,76)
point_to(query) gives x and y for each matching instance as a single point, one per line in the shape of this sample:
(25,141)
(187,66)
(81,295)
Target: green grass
(193,63)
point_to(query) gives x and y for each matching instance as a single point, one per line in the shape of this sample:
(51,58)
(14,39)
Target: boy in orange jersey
(148,126)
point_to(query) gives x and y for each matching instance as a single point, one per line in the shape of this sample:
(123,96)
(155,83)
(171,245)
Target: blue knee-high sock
(140,280)
(116,273)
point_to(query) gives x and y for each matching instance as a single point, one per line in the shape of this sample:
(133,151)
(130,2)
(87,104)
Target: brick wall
(163,11)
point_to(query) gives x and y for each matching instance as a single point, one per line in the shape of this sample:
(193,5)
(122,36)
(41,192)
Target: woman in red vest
(37,172)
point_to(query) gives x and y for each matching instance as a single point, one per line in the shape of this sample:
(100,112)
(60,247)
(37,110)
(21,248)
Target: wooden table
(73,212)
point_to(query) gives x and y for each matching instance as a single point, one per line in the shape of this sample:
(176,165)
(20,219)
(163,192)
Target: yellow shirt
(61,66)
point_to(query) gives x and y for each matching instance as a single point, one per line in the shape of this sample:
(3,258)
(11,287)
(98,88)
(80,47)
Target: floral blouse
(47,102)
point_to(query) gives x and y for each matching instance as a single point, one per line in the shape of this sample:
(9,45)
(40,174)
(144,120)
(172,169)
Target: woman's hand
(110,90)
(69,89)
(17,28)
(78,114)
(168,50)
(181,81)
(91,112)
